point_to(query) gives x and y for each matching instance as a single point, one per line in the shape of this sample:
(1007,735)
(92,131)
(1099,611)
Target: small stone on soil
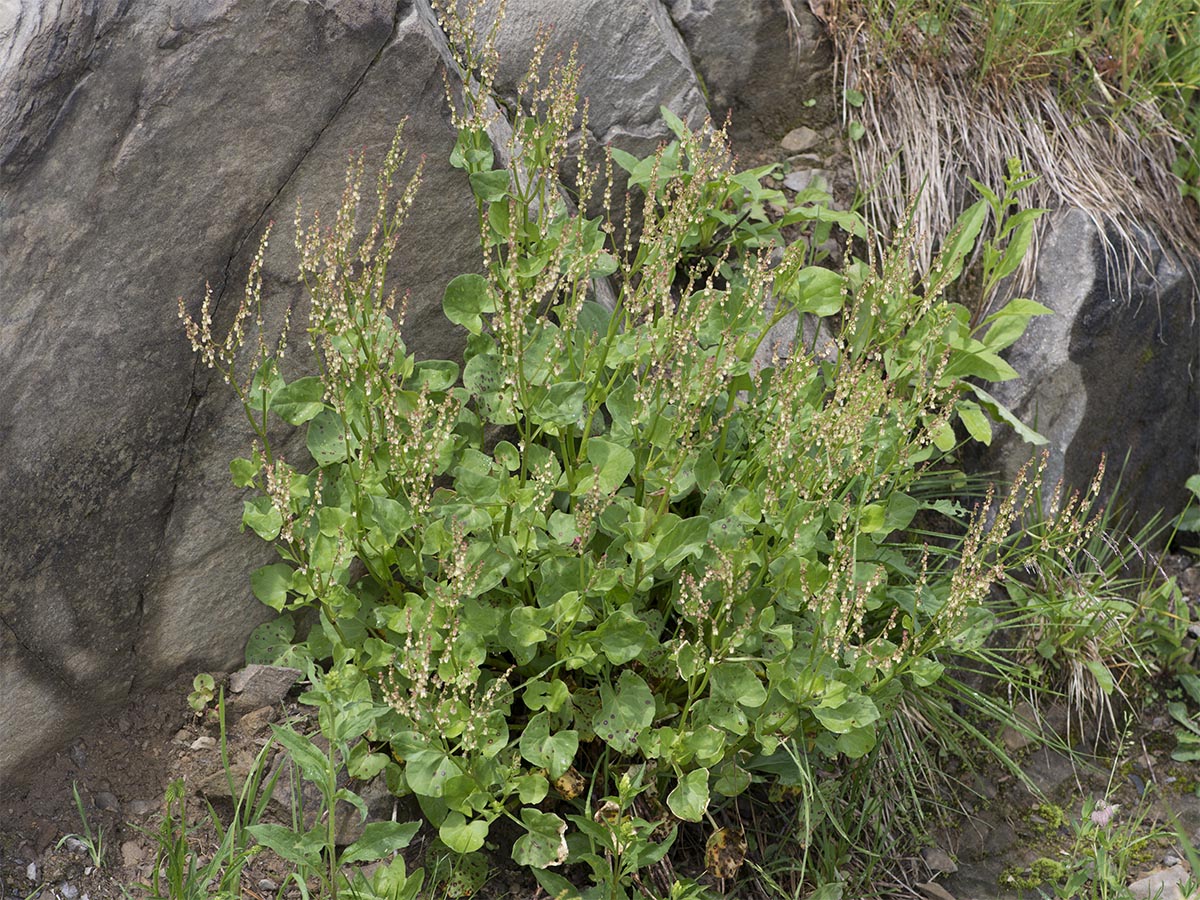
(131,854)
(204,743)
(255,721)
(78,755)
(1162,885)
(182,736)
(267,886)
(31,871)
(106,800)
(938,860)
(140,808)
(68,891)
(256,685)
(799,139)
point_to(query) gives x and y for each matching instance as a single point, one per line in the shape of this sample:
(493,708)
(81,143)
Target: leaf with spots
(624,712)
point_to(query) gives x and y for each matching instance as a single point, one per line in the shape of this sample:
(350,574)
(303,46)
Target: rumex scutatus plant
(611,558)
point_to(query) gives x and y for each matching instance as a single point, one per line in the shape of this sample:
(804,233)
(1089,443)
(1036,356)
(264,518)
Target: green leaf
(1191,684)
(925,671)
(624,712)
(815,290)
(303,752)
(1001,412)
(261,516)
(489,186)
(553,752)
(465,298)
(390,516)
(687,538)
(435,374)
(976,422)
(563,403)
(735,682)
(326,438)
(551,697)
(299,401)
(378,840)
(622,637)
(961,241)
(853,97)
(856,130)
(427,771)
(244,471)
(463,836)
(544,844)
(271,584)
(689,799)
(364,764)
(614,462)
(1104,679)
(857,742)
(303,849)
(855,711)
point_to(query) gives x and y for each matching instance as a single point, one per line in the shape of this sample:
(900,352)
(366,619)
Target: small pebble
(31,871)
(68,891)
(106,800)
(131,854)
(267,886)
(139,808)
(182,736)
(78,755)
(75,845)
(800,139)
(204,743)
(1171,860)
(124,724)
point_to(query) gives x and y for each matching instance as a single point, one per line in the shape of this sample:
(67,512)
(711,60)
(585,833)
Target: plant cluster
(614,569)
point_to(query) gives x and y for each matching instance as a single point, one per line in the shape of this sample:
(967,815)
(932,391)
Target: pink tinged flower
(1103,813)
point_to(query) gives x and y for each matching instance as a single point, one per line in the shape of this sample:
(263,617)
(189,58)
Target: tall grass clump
(627,568)
(1100,97)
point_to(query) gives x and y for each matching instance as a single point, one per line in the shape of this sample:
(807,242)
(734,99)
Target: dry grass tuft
(939,111)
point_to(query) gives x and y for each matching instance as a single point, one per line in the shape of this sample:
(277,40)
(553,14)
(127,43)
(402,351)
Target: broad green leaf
(303,752)
(390,516)
(363,763)
(244,471)
(553,752)
(855,711)
(303,849)
(326,438)
(857,742)
(622,637)
(815,290)
(687,538)
(378,840)
(261,516)
(465,298)
(551,697)
(434,374)
(976,422)
(1103,676)
(299,401)
(427,771)
(490,187)
(925,671)
(871,518)
(689,799)
(1001,412)
(1191,684)
(545,842)
(461,835)
(624,712)
(271,584)
(563,403)
(614,462)
(961,241)
(735,682)
(1006,326)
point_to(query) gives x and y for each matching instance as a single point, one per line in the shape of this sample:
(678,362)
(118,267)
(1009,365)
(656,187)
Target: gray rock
(805,178)
(1110,373)
(256,686)
(68,891)
(939,860)
(132,854)
(205,742)
(757,68)
(800,139)
(150,144)
(255,721)
(1165,884)
(107,801)
(78,755)
(140,808)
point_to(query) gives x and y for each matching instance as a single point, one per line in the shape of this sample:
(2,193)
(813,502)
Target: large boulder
(1112,373)
(144,148)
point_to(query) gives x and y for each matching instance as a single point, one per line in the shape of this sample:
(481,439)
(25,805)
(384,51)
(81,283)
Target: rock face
(1112,372)
(143,150)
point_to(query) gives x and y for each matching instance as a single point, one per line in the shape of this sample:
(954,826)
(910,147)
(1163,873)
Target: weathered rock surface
(177,132)
(1112,372)
(143,149)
